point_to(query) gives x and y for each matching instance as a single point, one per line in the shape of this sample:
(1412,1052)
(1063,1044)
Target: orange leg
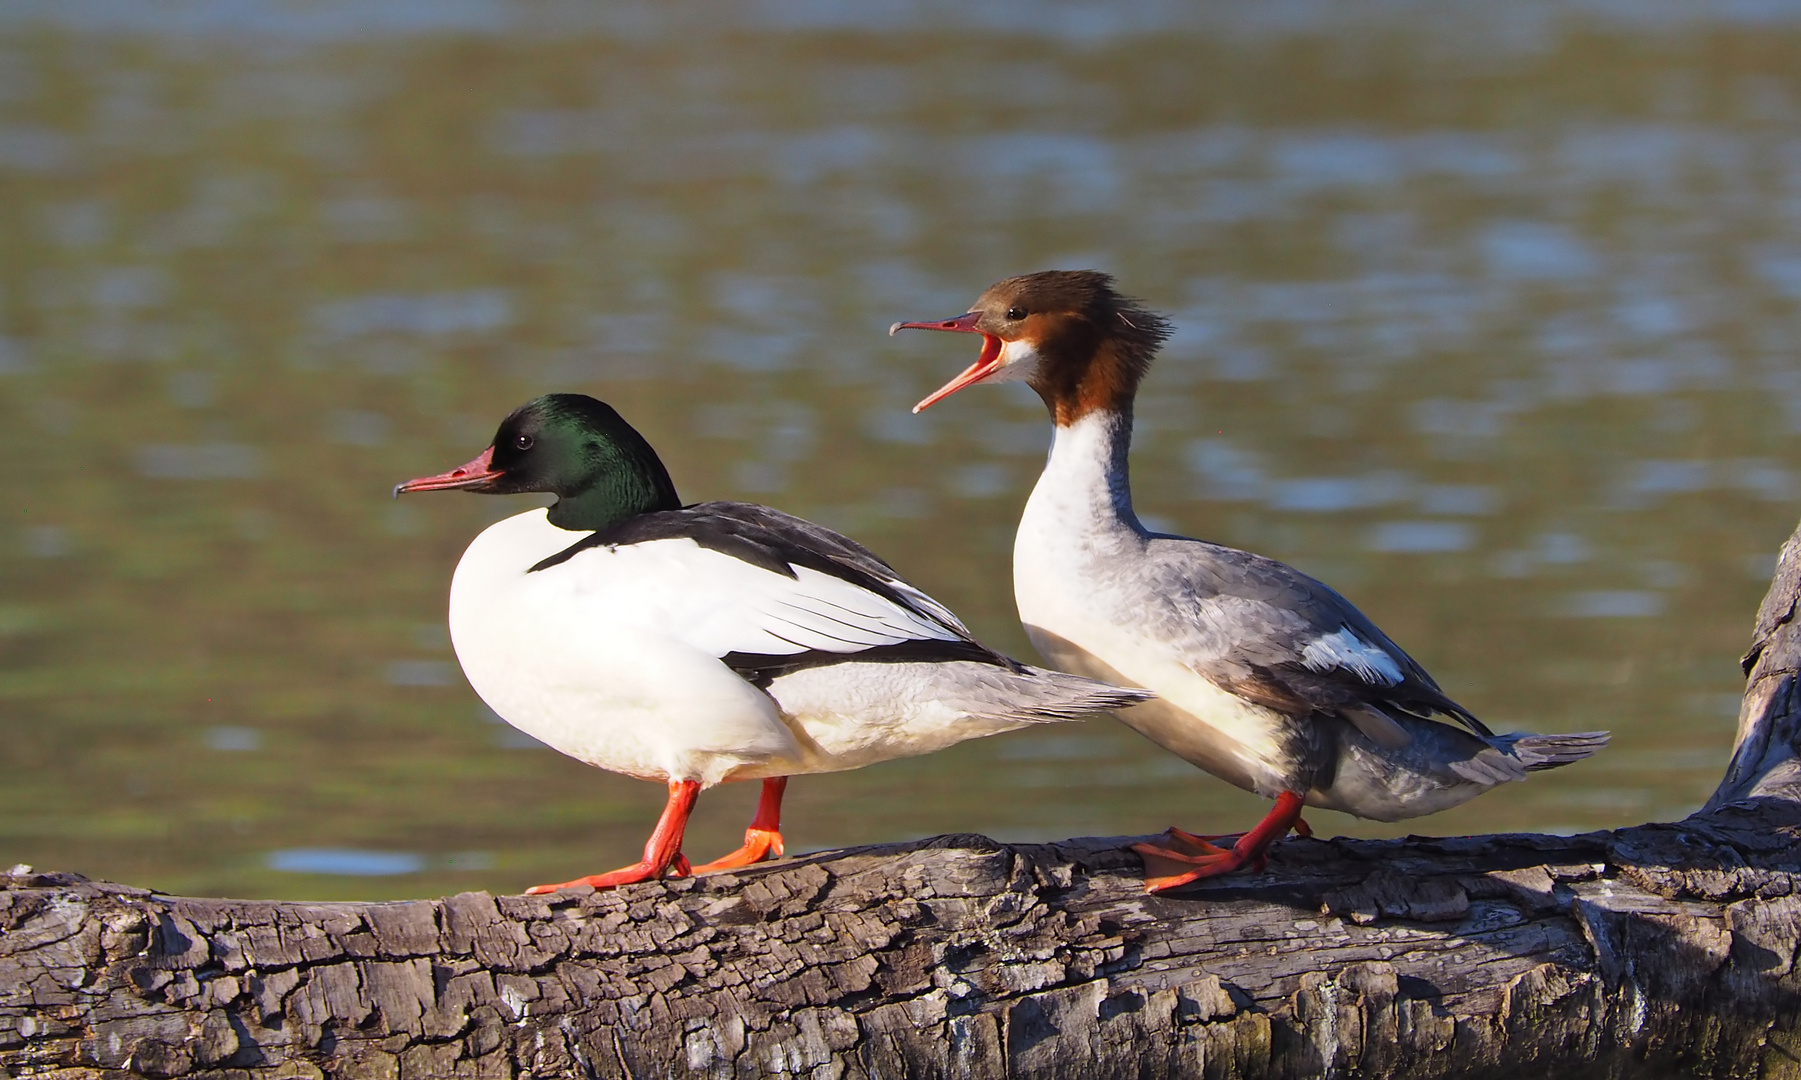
(662,852)
(1190,858)
(763,840)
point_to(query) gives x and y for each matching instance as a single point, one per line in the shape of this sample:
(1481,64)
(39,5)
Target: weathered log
(1665,949)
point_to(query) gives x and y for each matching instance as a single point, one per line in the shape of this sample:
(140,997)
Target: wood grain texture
(1665,949)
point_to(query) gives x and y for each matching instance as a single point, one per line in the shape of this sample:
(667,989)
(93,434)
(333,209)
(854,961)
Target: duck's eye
(523,442)
(1016,313)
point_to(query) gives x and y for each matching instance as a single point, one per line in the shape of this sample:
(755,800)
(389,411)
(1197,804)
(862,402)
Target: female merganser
(1264,677)
(699,644)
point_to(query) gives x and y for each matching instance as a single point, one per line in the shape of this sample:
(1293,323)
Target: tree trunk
(1665,949)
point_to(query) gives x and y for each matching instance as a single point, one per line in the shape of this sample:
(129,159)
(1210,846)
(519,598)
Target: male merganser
(699,644)
(1264,677)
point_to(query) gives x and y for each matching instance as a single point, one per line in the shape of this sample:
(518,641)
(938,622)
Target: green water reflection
(1487,317)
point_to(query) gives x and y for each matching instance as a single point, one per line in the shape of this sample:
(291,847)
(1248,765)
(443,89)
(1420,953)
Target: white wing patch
(1344,649)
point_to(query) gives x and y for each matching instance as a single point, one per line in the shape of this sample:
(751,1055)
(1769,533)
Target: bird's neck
(1086,483)
(617,496)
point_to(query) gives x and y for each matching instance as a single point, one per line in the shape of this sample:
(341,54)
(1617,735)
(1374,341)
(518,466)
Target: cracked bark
(1665,949)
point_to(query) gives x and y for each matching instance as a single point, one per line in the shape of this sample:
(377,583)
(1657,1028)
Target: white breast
(593,663)
(1073,577)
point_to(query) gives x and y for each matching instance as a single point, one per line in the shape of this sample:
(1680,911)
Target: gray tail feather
(1060,696)
(1549,751)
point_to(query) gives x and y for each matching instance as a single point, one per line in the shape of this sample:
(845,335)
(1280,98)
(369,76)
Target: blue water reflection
(345,861)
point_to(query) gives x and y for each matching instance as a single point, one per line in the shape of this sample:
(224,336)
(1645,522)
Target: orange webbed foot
(625,875)
(1166,869)
(1185,857)
(662,852)
(1180,840)
(763,840)
(759,844)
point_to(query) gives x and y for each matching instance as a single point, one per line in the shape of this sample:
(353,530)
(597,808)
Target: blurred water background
(1487,316)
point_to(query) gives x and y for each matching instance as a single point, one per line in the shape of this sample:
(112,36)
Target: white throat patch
(1019,362)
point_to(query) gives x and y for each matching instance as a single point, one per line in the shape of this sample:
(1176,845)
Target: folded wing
(1275,636)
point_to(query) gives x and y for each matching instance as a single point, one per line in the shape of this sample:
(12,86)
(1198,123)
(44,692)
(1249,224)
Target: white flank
(1344,649)
(613,657)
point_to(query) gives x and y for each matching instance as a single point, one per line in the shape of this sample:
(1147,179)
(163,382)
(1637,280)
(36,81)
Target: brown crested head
(1068,334)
